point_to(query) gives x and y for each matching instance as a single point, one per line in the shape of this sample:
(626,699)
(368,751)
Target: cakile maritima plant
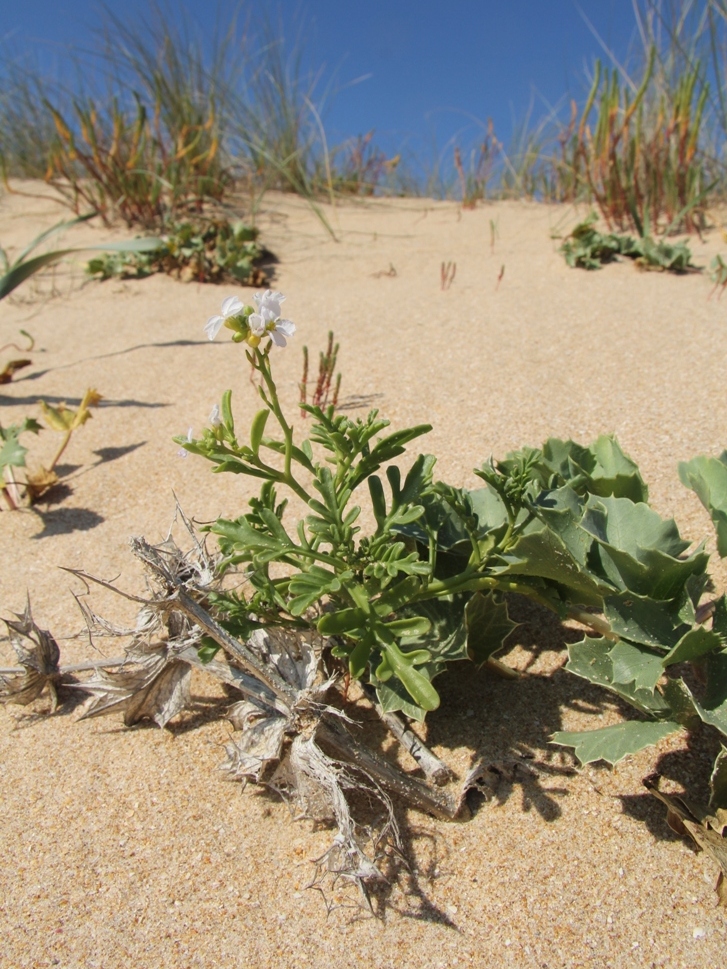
(565,525)
(281,613)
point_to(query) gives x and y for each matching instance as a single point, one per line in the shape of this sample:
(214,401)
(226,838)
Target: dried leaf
(154,686)
(260,743)
(40,660)
(294,659)
(706,830)
(39,482)
(11,368)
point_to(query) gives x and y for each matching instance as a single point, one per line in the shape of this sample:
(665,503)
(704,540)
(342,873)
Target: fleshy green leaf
(718,782)
(693,645)
(488,626)
(307,588)
(542,553)
(635,666)
(707,478)
(612,744)
(591,659)
(644,620)
(639,549)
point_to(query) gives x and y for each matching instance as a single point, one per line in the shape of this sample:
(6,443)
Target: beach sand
(127,847)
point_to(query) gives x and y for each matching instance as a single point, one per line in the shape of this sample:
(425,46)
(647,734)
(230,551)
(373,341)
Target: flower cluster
(250,326)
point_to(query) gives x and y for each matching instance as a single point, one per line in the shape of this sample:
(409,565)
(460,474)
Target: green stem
(263,365)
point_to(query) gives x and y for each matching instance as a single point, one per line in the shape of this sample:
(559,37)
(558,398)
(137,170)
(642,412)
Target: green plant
(60,418)
(640,159)
(718,273)
(205,251)
(587,248)
(565,525)
(357,167)
(126,165)
(23,268)
(325,385)
(12,455)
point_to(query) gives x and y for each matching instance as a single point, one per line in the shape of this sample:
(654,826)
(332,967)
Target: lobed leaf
(707,478)
(612,744)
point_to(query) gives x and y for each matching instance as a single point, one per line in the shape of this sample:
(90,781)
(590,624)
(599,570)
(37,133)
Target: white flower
(267,321)
(181,453)
(271,299)
(232,306)
(214,418)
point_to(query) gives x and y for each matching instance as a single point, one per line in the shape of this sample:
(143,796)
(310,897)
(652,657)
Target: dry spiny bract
(154,686)
(38,653)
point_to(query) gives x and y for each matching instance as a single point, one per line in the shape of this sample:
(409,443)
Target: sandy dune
(127,847)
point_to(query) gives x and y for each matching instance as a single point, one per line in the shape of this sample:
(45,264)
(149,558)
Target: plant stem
(261,363)
(61,449)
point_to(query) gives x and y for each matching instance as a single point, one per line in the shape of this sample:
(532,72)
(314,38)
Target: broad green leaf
(488,626)
(483,505)
(591,660)
(446,641)
(418,479)
(693,645)
(543,554)
(680,702)
(601,469)
(12,454)
(615,473)
(632,527)
(707,478)
(638,549)
(612,744)
(712,708)
(644,620)
(635,665)
(719,619)
(718,782)
(562,510)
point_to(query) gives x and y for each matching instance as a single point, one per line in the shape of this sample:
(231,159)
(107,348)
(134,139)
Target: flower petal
(285,326)
(231,306)
(214,418)
(257,323)
(278,338)
(213,325)
(269,301)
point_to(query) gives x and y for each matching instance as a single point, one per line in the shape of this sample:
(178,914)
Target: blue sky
(432,67)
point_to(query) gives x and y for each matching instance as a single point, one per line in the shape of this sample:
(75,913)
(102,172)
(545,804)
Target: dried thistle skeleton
(288,735)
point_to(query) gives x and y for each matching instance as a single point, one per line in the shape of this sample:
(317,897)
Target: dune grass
(177,120)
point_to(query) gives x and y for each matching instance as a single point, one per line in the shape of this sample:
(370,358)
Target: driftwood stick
(334,735)
(434,769)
